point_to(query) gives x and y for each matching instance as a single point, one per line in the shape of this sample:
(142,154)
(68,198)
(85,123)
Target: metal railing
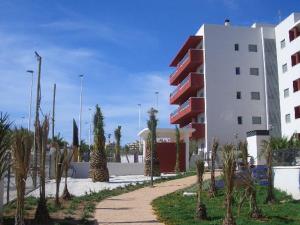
(181,107)
(181,85)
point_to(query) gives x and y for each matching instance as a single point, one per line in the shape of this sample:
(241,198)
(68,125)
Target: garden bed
(80,209)
(177,209)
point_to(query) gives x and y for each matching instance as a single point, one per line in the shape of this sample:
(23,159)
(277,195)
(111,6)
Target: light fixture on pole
(80,113)
(156,93)
(30,104)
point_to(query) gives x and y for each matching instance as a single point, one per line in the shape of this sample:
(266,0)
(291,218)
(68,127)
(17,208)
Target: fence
(10,191)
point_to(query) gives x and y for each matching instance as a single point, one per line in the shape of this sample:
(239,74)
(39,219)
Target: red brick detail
(166,153)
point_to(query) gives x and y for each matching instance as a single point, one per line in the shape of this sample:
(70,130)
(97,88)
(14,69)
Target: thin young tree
(67,161)
(126,150)
(177,137)
(249,189)
(213,189)
(22,142)
(118,144)
(5,139)
(42,214)
(228,171)
(59,169)
(98,162)
(201,213)
(151,152)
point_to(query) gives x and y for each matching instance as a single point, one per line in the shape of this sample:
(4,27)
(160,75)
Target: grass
(79,210)
(176,209)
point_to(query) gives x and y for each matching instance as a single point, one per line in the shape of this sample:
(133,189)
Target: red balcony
(187,88)
(191,108)
(189,64)
(294,32)
(296,85)
(199,130)
(191,42)
(297,112)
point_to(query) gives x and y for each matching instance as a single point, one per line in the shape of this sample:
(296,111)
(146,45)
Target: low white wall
(287,178)
(1,195)
(118,169)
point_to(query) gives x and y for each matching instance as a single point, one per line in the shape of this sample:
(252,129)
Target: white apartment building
(288,58)
(229,83)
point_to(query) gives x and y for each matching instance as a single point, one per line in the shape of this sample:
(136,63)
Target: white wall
(287,178)
(221,82)
(120,169)
(286,79)
(255,149)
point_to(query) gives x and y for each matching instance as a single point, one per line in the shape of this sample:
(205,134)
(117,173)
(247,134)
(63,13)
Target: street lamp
(80,114)
(30,104)
(156,93)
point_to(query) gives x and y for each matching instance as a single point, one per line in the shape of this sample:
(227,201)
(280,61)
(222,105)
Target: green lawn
(176,209)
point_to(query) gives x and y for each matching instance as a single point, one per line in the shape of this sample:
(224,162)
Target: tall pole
(37,107)
(53,110)
(30,104)
(139,105)
(90,128)
(156,93)
(80,115)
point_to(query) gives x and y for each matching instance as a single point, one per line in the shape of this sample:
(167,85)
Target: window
(238,95)
(256,120)
(284,68)
(202,120)
(295,58)
(286,92)
(288,118)
(297,112)
(282,43)
(255,95)
(252,48)
(237,70)
(240,120)
(254,71)
(296,85)
(236,47)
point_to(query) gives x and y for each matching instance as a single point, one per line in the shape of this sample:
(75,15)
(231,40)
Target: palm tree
(22,142)
(59,169)
(42,214)
(118,145)
(177,134)
(249,185)
(98,163)
(126,150)
(228,171)
(5,136)
(75,141)
(67,161)
(213,189)
(201,208)
(151,146)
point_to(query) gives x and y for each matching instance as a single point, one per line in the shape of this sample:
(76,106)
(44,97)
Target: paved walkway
(135,207)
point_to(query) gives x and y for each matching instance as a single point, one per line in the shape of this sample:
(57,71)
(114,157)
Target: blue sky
(122,47)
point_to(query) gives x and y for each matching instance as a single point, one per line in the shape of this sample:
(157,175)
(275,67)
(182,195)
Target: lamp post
(156,93)
(140,106)
(80,113)
(30,104)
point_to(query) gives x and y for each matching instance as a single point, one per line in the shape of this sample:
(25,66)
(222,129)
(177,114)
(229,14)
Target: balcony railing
(181,85)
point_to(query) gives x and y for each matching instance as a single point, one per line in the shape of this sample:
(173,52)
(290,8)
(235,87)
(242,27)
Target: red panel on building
(166,153)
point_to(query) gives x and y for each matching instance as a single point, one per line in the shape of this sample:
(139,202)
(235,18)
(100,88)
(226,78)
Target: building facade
(228,82)
(288,58)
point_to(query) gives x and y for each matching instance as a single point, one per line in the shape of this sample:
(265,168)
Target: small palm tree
(201,208)
(98,162)
(151,146)
(67,161)
(59,169)
(22,142)
(228,171)
(118,144)
(177,134)
(213,189)
(5,138)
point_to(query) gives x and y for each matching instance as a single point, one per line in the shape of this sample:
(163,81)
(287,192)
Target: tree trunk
(19,218)
(136,157)
(66,194)
(57,193)
(270,197)
(229,220)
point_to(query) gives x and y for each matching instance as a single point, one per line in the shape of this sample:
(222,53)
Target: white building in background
(228,81)
(288,58)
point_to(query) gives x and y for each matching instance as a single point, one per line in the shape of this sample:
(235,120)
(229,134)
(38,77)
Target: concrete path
(135,207)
